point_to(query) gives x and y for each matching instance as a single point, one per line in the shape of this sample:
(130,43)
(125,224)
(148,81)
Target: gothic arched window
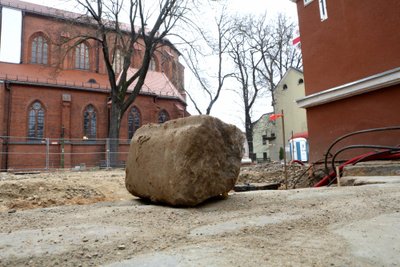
(153,64)
(89,122)
(163,116)
(118,62)
(133,121)
(82,56)
(39,51)
(36,120)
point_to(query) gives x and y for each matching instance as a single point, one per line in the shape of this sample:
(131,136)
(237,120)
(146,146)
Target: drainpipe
(22,37)
(62,147)
(8,128)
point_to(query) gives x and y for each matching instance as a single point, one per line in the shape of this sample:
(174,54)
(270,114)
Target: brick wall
(57,33)
(64,108)
(359,39)
(69,114)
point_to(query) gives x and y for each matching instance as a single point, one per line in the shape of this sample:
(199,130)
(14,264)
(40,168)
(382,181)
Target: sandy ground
(44,223)
(35,190)
(20,191)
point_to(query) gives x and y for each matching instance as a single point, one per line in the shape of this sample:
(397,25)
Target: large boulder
(185,161)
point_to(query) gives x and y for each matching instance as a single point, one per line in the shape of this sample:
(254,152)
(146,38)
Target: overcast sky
(227,107)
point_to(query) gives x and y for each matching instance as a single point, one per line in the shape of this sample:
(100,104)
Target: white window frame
(323,10)
(307,2)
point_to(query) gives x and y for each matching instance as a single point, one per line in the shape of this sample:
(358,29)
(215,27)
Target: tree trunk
(113,134)
(249,135)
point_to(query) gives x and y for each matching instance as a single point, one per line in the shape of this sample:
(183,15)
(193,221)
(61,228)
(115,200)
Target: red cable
(364,157)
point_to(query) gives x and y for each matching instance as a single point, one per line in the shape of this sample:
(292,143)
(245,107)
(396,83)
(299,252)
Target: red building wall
(22,96)
(64,93)
(56,32)
(3,109)
(359,39)
(377,109)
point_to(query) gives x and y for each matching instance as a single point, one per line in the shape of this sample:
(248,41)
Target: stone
(184,162)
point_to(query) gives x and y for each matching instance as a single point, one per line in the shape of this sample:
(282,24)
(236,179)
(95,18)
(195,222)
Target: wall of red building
(68,113)
(3,124)
(360,38)
(22,96)
(58,32)
(59,114)
(149,108)
(373,110)
(3,109)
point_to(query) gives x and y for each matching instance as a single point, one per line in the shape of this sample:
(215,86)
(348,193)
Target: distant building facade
(351,63)
(289,89)
(267,134)
(262,134)
(45,96)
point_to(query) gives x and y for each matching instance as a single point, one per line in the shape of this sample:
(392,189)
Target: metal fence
(35,154)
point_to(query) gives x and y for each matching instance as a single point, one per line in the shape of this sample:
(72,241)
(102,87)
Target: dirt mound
(41,194)
(42,190)
(273,172)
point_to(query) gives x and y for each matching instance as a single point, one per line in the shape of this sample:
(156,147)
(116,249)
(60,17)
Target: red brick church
(54,110)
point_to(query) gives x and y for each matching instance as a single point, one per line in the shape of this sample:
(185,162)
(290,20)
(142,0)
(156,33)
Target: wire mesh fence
(48,154)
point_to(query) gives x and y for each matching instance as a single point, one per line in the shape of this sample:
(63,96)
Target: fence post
(62,148)
(47,153)
(108,153)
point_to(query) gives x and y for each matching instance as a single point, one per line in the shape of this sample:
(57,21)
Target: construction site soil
(88,218)
(28,190)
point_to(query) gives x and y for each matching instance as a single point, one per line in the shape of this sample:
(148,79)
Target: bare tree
(274,42)
(261,53)
(212,84)
(246,62)
(116,41)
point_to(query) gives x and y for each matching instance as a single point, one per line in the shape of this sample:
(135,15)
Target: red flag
(296,40)
(274,117)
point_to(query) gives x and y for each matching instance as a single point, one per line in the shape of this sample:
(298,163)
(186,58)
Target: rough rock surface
(184,162)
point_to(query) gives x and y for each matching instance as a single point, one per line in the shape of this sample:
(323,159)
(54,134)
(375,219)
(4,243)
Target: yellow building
(287,91)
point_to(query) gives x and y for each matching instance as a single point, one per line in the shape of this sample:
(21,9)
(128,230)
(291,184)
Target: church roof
(156,83)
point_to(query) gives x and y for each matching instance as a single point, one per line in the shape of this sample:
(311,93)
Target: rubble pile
(273,172)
